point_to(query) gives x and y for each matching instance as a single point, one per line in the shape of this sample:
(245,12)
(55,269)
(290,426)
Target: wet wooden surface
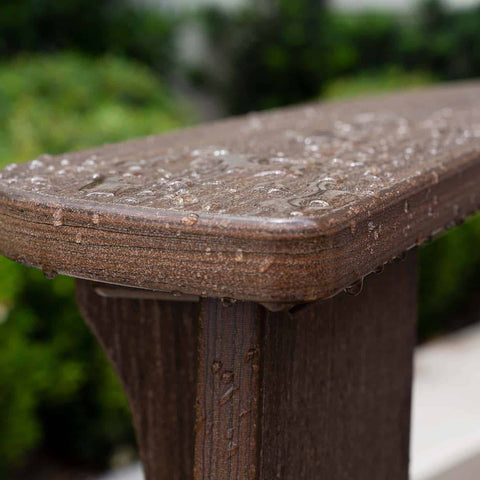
(318,393)
(153,347)
(285,206)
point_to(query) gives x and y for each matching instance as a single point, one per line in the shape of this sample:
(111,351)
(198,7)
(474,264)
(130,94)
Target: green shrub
(269,54)
(376,82)
(449,279)
(57,390)
(93,27)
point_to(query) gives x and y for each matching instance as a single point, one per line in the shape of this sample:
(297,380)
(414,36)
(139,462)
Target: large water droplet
(355,288)
(58,217)
(190,219)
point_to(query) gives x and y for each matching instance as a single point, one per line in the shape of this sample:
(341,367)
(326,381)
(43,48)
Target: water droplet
(36,180)
(216,366)
(220,153)
(10,167)
(78,238)
(190,219)
(232,448)
(227,377)
(58,218)
(355,288)
(239,255)
(266,263)
(269,172)
(49,273)
(379,269)
(100,194)
(319,204)
(227,396)
(402,257)
(34,164)
(250,355)
(227,301)
(353,227)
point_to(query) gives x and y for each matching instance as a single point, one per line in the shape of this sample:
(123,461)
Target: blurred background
(78,73)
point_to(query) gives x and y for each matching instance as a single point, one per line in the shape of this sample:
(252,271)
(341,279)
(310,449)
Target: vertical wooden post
(323,393)
(336,384)
(228,395)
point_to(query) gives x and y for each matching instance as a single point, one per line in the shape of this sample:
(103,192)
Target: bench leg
(323,393)
(153,348)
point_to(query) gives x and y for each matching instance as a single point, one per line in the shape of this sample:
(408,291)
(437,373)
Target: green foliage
(281,52)
(89,26)
(449,278)
(272,53)
(384,80)
(63,102)
(362,42)
(56,387)
(443,42)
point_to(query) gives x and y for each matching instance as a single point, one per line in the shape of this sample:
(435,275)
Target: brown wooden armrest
(198,229)
(286,206)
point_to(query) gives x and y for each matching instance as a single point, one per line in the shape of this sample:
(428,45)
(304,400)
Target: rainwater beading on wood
(369,178)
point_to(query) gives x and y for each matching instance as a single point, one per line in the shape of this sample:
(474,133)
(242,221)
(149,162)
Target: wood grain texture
(287,206)
(323,393)
(336,384)
(153,348)
(228,400)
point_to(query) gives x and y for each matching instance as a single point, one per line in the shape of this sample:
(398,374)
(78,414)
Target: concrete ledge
(446,408)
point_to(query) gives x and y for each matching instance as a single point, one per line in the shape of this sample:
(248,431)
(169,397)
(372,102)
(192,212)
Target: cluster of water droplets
(295,163)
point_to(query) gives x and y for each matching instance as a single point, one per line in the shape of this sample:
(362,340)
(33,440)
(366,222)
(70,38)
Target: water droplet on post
(239,255)
(190,219)
(355,288)
(227,377)
(216,366)
(49,273)
(58,218)
(228,302)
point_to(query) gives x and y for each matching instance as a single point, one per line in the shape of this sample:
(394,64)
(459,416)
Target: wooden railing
(212,264)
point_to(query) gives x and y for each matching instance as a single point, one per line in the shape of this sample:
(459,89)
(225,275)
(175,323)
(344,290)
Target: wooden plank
(152,346)
(287,206)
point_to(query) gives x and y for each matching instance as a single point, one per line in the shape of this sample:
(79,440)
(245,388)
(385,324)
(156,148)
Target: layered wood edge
(246,258)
